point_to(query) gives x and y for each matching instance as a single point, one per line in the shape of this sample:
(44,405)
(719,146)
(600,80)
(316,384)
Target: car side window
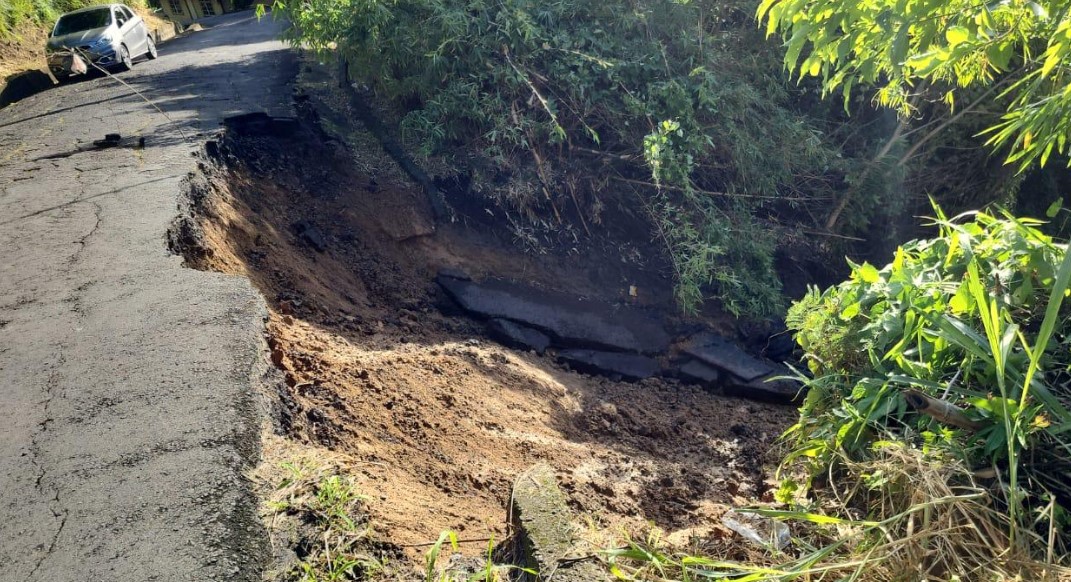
(129,14)
(120,18)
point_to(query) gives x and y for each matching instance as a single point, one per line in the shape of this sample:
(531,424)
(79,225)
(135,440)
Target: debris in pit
(568,321)
(761,531)
(612,364)
(517,336)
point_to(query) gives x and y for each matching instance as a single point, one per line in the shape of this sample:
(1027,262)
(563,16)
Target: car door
(126,26)
(139,32)
(122,23)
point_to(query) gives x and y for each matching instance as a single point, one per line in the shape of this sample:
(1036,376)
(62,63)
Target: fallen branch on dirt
(711,193)
(459,541)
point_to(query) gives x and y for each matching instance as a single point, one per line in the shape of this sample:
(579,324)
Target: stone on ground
(546,541)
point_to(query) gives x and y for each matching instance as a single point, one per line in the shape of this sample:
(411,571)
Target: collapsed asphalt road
(128,410)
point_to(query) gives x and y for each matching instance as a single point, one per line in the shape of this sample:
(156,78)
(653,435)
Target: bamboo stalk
(941,410)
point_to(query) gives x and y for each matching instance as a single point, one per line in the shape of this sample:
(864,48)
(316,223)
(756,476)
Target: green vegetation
(976,318)
(331,530)
(572,116)
(1020,50)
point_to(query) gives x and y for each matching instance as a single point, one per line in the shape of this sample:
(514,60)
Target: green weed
(490,572)
(326,512)
(13,13)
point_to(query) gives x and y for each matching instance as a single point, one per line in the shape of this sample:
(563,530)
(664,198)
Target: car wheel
(151,52)
(125,62)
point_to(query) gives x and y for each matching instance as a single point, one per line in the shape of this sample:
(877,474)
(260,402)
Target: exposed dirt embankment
(434,420)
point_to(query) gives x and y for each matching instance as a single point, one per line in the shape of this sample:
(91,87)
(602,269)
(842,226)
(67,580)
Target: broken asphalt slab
(778,387)
(699,373)
(723,354)
(612,364)
(569,321)
(517,336)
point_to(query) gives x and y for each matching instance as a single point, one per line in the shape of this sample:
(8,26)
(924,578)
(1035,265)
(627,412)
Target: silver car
(108,36)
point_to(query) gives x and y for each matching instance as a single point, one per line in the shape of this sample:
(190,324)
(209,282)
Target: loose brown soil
(436,421)
(23,48)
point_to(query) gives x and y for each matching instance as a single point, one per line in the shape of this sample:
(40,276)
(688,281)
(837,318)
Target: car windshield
(80,21)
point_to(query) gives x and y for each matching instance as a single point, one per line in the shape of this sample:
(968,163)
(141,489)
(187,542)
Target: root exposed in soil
(434,420)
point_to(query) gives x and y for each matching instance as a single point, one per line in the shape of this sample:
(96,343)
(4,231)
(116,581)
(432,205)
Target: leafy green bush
(976,317)
(1020,50)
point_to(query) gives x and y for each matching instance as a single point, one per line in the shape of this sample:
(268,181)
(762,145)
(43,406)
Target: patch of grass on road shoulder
(321,529)
(317,521)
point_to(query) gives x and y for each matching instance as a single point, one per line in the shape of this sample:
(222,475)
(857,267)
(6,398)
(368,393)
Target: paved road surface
(126,409)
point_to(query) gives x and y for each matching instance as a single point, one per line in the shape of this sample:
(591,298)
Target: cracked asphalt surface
(128,404)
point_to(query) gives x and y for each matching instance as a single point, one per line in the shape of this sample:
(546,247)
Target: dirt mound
(435,420)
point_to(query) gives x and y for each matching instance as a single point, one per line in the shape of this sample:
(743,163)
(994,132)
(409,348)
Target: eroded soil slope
(435,420)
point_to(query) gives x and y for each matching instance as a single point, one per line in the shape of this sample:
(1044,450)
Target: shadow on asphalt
(63,110)
(22,85)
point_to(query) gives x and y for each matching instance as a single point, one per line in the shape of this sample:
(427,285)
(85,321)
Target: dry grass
(155,22)
(903,516)
(936,522)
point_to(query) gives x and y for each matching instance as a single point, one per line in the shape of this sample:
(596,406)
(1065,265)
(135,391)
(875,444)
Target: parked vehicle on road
(109,36)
